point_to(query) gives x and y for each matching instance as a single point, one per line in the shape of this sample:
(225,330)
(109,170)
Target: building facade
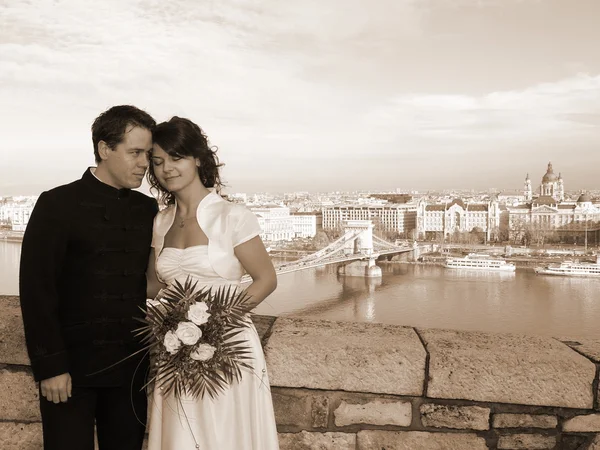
(444,219)
(548,217)
(305,225)
(15,213)
(275,222)
(393,218)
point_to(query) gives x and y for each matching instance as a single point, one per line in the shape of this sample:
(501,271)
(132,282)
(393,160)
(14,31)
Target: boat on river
(475,261)
(571,269)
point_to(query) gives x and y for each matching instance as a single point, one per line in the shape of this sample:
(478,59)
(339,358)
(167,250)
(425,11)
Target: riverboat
(474,261)
(571,269)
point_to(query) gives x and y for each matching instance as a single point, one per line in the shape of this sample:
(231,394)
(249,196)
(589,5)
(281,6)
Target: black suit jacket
(82,280)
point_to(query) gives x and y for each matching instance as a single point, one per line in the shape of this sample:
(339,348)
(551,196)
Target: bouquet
(191,337)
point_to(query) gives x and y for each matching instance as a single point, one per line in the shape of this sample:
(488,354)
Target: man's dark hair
(110,126)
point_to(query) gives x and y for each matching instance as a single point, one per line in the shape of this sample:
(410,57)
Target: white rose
(171,342)
(203,352)
(198,313)
(188,333)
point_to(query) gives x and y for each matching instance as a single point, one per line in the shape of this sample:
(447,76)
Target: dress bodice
(179,263)
(226,226)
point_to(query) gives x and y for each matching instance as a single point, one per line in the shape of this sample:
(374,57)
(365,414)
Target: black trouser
(118,413)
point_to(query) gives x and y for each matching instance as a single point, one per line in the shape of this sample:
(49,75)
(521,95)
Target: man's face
(126,164)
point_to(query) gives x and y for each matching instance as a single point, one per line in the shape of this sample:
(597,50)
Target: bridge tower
(361,244)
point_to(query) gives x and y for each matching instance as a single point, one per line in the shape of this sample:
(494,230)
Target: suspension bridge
(358,243)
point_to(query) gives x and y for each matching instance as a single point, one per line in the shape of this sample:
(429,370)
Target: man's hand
(57,389)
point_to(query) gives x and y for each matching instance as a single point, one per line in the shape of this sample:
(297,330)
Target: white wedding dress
(241,418)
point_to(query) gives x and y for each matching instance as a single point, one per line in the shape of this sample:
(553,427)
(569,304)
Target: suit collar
(91,180)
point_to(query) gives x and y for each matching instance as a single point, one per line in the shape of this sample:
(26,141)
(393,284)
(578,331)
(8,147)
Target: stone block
(19,400)
(292,408)
(300,409)
(12,337)
(20,436)
(374,412)
(524,421)
(360,357)
(507,368)
(262,324)
(320,411)
(583,423)
(595,444)
(588,347)
(418,440)
(573,442)
(455,416)
(317,441)
(526,442)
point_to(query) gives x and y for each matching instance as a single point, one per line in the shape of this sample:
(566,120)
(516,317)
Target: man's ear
(103,150)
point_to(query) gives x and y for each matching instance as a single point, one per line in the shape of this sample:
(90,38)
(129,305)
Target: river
(422,296)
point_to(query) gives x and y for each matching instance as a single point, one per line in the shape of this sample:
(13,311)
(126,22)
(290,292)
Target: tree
(540,233)
(476,236)
(379,228)
(336,232)
(320,240)
(519,231)
(503,235)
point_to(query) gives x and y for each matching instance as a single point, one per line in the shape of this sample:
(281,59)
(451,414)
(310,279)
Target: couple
(94,250)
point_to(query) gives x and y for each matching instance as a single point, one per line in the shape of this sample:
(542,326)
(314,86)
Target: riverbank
(526,265)
(11,236)
(521,262)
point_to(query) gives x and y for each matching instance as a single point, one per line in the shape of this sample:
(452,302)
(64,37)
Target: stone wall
(354,386)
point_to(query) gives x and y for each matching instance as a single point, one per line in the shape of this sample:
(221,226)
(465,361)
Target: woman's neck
(189,198)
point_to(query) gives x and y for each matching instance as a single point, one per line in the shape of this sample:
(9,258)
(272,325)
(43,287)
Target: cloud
(563,109)
(341,82)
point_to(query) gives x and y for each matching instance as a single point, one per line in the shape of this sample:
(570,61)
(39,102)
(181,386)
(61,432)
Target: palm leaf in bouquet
(193,337)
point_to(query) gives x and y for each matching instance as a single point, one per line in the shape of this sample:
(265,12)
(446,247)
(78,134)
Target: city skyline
(318,96)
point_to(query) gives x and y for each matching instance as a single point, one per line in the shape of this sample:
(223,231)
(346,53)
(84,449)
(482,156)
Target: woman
(201,235)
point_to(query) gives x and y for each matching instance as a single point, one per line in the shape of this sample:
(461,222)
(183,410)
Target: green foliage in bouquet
(191,336)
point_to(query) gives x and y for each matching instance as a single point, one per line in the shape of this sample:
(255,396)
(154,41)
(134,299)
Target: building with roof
(551,186)
(390,217)
(435,219)
(549,216)
(278,224)
(16,211)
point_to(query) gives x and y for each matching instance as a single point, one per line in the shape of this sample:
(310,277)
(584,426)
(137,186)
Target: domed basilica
(549,215)
(552,186)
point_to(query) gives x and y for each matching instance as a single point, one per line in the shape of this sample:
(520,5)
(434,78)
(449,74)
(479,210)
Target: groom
(82,281)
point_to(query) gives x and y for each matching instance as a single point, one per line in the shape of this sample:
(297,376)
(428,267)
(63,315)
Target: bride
(201,235)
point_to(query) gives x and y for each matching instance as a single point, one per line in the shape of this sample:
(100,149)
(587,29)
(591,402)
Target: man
(82,282)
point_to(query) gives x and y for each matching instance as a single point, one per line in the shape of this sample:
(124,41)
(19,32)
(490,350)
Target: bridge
(358,243)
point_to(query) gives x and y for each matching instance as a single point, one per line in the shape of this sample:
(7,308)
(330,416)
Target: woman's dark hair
(182,137)
(110,126)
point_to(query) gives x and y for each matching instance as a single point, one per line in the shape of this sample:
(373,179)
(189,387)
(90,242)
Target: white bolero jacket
(226,225)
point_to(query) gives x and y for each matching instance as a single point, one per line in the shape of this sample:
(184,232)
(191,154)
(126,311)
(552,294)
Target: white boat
(474,261)
(571,269)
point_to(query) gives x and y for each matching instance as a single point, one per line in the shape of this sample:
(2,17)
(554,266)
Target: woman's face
(173,172)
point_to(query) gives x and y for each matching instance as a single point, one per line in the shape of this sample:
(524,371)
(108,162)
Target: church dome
(549,176)
(584,198)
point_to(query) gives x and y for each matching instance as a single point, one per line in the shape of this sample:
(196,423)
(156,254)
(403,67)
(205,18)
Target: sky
(317,95)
